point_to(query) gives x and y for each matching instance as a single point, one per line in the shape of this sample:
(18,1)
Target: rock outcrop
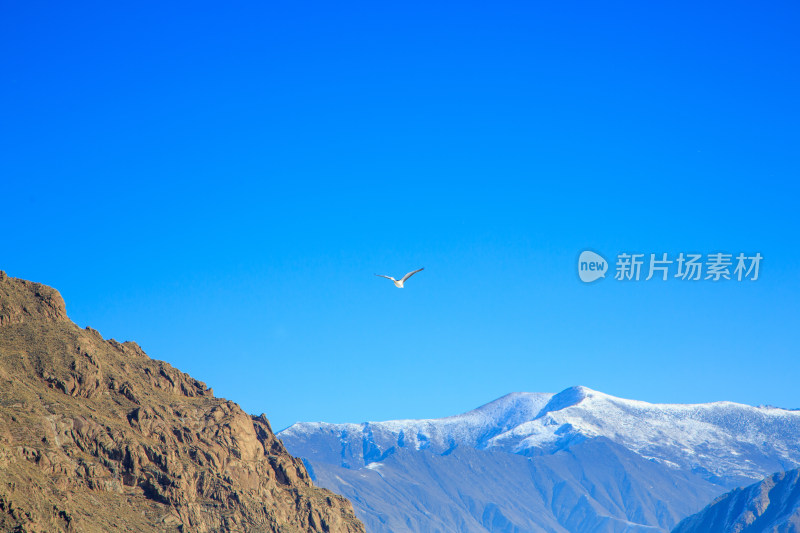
(769,506)
(96,436)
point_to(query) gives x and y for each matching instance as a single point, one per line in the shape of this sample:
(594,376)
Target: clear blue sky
(220,183)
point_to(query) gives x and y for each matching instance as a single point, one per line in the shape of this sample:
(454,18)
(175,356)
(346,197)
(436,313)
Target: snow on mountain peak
(721,439)
(567,398)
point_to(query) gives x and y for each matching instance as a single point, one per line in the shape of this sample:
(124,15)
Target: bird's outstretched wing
(411,274)
(387,277)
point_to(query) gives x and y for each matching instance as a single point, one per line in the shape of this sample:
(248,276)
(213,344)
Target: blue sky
(220,184)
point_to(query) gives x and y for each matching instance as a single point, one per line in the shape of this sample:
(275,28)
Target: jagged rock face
(96,436)
(22,300)
(771,505)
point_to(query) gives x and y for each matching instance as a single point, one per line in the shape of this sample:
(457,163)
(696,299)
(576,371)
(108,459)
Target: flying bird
(399,283)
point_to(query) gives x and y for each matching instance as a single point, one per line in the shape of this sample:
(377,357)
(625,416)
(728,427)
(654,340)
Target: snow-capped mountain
(771,505)
(472,429)
(694,451)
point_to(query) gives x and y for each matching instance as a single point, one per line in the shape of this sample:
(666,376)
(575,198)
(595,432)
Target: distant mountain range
(576,461)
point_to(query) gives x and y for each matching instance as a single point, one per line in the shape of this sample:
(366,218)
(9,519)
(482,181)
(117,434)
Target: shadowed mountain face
(769,506)
(96,436)
(596,486)
(576,461)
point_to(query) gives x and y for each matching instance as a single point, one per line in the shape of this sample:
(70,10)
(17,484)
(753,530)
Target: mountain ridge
(706,449)
(580,411)
(770,505)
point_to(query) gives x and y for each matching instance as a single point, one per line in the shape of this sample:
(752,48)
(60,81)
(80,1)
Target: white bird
(399,283)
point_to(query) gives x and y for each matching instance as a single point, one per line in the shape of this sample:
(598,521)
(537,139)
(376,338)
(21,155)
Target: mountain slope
(596,486)
(769,506)
(96,436)
(693,452)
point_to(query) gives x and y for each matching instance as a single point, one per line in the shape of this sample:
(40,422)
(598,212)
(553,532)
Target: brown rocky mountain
(96,436)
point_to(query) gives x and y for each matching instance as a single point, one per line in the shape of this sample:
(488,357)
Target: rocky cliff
(769,506)
(96,436)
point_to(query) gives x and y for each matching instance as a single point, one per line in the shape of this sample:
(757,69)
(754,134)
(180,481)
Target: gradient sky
(220,183)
